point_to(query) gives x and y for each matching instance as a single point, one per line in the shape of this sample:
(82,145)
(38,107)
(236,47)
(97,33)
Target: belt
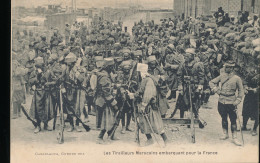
(227,95)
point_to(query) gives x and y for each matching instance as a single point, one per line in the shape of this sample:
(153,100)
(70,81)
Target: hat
(126,51)
(151,58)
(170,46)
(31,55)
(70,58)
(138,53)
(190,50)
(39,61)
(53,56)
(99,58)
(108,61)
(230,63)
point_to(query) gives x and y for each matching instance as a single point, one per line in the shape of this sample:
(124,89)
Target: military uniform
(127,78)
(18,87)
(190,72)
(105,102)
(39,108)
(55,40)
(250,104)
(156,70)
(147,98)
(229,84)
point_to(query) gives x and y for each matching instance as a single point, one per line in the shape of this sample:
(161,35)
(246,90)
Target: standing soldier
(127,81)
(173,62)
(190,72)
(155,69)
(38,109)
(104,100)
(71,92)
(18,89)
(228,101)
(250,105)
(149,113)
(42,48)
(67,33)
(56,39)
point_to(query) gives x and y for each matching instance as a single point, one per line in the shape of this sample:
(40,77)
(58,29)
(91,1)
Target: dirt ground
(207,140)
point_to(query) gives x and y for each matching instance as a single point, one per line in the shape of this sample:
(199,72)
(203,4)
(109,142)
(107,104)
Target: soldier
(42,48)
(91,86)
(149,113)
(75,46)
(204,58)
(228,101)
(127,79)
(56,39)
(39,110)
(18,88)
(250,104)
(190,72)
(67,33)
(155,69)
(71,91)
(104,100)
(173,61)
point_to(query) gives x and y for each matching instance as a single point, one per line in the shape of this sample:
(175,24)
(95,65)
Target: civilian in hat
(67,33)
(228,100)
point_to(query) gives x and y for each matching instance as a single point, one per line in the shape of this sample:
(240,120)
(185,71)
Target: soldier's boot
(123,130)
(165,139)
(77,128)
(245,120)
(128,123)
(225,135)
(37,129)
(129,129)
(113,137)
(235,140)
(71,127)
(149,140)
(46,127)
(254,133)
(100,137)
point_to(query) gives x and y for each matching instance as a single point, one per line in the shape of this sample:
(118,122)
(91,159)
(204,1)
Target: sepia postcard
(134,81)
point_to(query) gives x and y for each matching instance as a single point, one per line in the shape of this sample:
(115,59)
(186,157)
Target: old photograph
(127,81)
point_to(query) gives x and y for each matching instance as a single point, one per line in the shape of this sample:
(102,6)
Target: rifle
(149,123)
(119,115)
(137,137)
(86,127)
(191,114)
(240,127)
(28,117)
(62,123)
(116,124)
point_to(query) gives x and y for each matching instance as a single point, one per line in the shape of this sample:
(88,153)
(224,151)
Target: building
(195,8)
(59,20)
(192,8)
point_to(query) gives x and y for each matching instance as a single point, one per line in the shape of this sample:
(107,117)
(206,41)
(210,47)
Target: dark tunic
(250,105)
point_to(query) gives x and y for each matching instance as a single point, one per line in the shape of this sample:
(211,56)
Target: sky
(164,4)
